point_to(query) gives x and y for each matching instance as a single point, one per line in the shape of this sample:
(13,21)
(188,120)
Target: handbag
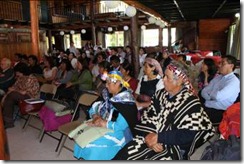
(26,107)
(50,120)
(85,134)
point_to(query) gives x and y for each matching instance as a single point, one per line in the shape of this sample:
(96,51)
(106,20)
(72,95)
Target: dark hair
(106,65)
(128,67)
(151,55)
(212,68)
(67,63)
(34,58)
(83,62)
(22,68)
(143,49)
(183,57)
(115,58)
(50,61)
(231,60)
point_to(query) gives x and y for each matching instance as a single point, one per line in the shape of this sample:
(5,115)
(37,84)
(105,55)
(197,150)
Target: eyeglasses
(223,63)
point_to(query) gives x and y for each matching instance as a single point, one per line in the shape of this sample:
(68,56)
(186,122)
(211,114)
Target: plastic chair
(46,89)
(85,100)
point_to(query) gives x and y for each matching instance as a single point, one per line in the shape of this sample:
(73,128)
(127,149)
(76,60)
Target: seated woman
(100,82)
(173,126)
(128,75)
(65,72)
(80,81)
(26,86)
(49,72)
(117,111)
(208,72)
(149,83)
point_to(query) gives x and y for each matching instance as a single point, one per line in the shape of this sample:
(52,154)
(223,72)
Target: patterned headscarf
(156,64)
(179,70)
(117,76)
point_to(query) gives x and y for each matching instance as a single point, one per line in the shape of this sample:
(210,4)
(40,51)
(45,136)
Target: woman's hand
(98,121)
(68,84)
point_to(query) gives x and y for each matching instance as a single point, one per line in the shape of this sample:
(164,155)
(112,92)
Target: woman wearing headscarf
(116,111)
(173,126)
(149,83)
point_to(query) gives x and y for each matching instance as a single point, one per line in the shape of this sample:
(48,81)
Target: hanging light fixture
(151,20)
(72,32)
(126,28)
(61,32)
(143,27)
(112,4)
(162,25)
(130,11)
(110,29)
(158,22)
(83,31)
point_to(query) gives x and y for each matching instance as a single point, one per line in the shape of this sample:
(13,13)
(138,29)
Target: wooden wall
(16,42)
(213,34)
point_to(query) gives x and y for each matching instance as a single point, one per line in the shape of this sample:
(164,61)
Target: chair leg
(27,121)
(42,134)
(59,141)
(62,144)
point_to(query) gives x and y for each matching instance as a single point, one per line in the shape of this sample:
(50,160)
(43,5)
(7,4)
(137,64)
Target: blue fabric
(106,147)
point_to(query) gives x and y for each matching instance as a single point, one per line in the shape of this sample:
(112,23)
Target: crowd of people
(160,114)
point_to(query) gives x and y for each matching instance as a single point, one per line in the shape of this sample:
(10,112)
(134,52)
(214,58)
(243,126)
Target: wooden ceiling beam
(144,9)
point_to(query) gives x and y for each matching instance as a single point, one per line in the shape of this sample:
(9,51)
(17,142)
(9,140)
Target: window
(150,37)
(77,40)
(165,36)
(115,39)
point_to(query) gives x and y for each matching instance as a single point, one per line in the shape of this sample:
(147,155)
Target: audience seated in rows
(173,126)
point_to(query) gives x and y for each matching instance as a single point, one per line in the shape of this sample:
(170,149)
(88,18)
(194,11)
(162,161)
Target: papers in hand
(34,101)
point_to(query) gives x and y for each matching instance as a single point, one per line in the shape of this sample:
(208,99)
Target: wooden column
(49,35)
(4,148)
(93,27)
(34,28)
(169,39)
(134,44)
(160,38)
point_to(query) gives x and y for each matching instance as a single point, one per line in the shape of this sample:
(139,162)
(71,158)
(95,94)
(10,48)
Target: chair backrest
(86,99)
(48,89)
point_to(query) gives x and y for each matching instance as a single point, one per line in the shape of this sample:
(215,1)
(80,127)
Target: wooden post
(169,39)
(50,41)
(4,148)
(160,38)
(92,7)
(134,44)
(34,28)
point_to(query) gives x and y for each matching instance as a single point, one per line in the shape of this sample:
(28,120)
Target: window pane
(77,40)
(150,37)
(115,39)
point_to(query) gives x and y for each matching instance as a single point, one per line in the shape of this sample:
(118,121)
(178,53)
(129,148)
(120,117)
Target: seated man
(173,126)
(222,91)
(7,76)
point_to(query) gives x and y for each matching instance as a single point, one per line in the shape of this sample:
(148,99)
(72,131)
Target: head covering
(156,64)
(117,76)
(179,70)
